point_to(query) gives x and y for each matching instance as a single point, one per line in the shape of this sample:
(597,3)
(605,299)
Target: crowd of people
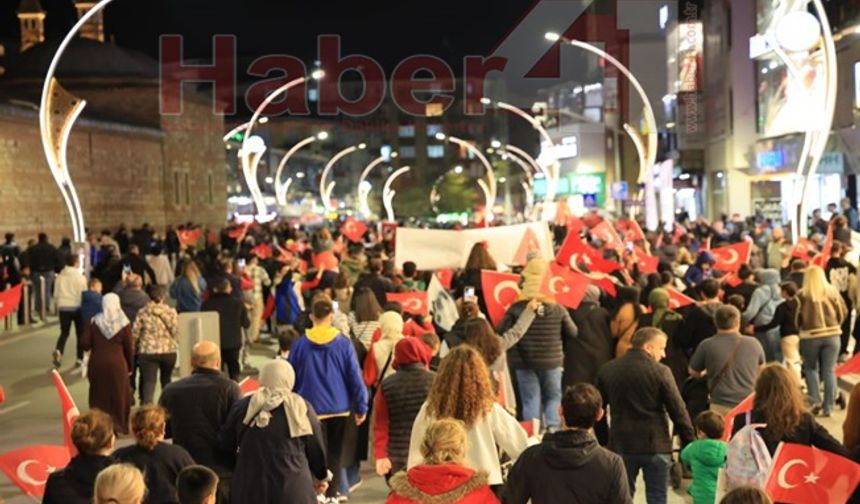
(552,404)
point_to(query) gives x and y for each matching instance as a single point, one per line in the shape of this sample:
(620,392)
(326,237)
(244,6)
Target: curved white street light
(513,149)
(491,177)
(647,162)
(434,190)
(364,187)
(529,183)
(58,111)
(325,191)
(249,169)
(281,189)
(388,193)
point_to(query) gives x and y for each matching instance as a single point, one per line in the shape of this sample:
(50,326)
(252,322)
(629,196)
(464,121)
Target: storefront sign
(620,190)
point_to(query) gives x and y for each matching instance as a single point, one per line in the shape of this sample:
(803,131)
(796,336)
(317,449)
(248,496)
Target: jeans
(540,386)
(332,430)
(349,476)
(37,288)
(655,471)
(770,343)
(820,355)
(150,365)
(67,318)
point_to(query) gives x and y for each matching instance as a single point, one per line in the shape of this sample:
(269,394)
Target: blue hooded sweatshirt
(695,275)
(91,305)
(327,373)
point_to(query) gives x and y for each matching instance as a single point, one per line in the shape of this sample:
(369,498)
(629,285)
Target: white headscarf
(276,389)
(112,319)
(391,325)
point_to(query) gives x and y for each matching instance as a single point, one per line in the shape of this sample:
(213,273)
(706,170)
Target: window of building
(407,152)
(432,129)
(406,131)
(435,151)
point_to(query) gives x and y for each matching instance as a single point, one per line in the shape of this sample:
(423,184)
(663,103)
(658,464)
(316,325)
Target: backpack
(748,460)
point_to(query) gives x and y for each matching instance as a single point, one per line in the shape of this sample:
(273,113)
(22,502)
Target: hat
(533,275)
(411,351)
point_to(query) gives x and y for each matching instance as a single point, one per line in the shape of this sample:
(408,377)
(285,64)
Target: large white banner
(433,249)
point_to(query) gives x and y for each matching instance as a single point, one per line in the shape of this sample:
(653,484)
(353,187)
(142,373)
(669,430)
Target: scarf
(112,319)
(276,389)
(658,300)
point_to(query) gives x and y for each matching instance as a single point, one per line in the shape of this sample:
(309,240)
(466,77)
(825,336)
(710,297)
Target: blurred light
(798,31)
(317,74)
(490,150)
(670,125)
(720,175)
(495,144)
(486,101)
(539,175)
(552,36)
(684,176)
(322,135)
(664,16)
(440,136)
(228,147)
(764,70)
(772,65)
(394,154)
(255,144)
(264,120)
(458,169)
(503,180)
(365,186)
(300,175)
(269,180)
(362,145)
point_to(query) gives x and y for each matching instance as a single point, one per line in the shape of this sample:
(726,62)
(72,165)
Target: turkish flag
(804,249)
(732,280)
(740,409)
(248,386)
(731,257)
(188,236)
(29,467)
(501,290)
(574,251)
(803,474)
(353,229)
(284,255)
(238,232)
(574,225)
(412,302)
(647,264)
(70,411)
(607,234)
(530,243)
(678,300)
(851,366)
(263,251)
(446,277)
(631,229)
(10,299)
(822,258)
(592,219)
(566,286)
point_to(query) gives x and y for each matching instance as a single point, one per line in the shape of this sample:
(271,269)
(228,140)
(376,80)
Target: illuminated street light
(364,186)
(647,162)
(388,193)
(281,189)
(325,191)
(491,177)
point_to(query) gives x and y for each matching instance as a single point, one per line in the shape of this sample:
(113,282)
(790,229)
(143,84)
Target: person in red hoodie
(442,478)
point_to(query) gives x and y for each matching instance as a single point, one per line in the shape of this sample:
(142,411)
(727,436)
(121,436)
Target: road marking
(15,407)
(14,339)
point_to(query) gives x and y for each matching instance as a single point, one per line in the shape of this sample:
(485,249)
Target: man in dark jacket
(134,262)
(570,466)
(640,391)
(197,406)
(43,260)
(593,346)
(699,320)
(232,318)
(397,403)
(374,280)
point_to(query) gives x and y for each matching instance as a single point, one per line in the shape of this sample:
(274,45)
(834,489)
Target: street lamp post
(281,189)
(325,190)
(491,177)
(388,193)
(364,187)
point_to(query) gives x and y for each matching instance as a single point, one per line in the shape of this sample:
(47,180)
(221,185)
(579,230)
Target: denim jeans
(150,366)
(349,476)
(770,344)
(655,471)
(819,356)
(540,386)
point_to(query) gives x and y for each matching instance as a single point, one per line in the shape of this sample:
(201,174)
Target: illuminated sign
(568,148)
(772,159)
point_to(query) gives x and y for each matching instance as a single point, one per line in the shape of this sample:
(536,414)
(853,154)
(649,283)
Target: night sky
(386,30)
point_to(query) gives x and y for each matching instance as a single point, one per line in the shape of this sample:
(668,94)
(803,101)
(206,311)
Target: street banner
(433,249)
(501,290)
(567,287)
(70,411)
(28,468)
(412,302)
(353,229)
(803,474)
(188,237)
(10,299)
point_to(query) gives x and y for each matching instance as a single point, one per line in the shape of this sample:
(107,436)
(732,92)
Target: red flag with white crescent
(188,236)
(353,229)
(10,299)
(248,386)
(28,468)
(802,474)
(607,234)
(529,243)
(70,411)
(740,409)
(647,264)
(263,251)
(566,286)
(631,229)
(678,300)
(731,257)
(412,302)
(501,290)
(574,225)
(238,232)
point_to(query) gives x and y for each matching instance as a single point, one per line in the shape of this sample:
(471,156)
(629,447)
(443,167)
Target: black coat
(160,467)
(198,405)
(698,326)
(42,257)
(542,346)
(592,347)
(377,283)
(74,484)
(232,317)
(640,391)
(808,432)
(568,467)
(271,466)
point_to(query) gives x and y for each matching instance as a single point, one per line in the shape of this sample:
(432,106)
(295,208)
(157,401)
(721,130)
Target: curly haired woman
(463,391)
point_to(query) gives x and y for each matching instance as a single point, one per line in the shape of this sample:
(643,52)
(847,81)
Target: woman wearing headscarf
(593,346)
(377,364)
(668,321)
(278,441)
(625,319)
(111,361)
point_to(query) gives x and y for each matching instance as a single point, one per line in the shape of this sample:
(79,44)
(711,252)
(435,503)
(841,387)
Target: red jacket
(440,484)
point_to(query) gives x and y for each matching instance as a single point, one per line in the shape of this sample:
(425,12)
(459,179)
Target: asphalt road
(31,413)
